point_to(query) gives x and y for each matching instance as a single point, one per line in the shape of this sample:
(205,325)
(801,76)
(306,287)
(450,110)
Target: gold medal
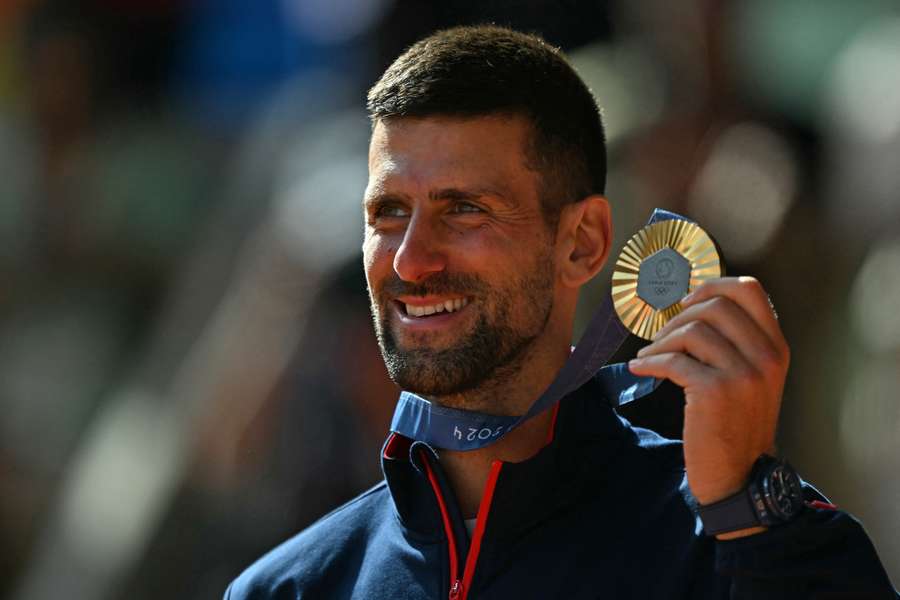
(660,265)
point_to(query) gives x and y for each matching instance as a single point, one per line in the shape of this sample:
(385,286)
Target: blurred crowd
(188,373)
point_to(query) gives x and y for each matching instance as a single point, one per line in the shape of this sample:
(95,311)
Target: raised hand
(727,351)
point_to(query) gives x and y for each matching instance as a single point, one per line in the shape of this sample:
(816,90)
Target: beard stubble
(509,321)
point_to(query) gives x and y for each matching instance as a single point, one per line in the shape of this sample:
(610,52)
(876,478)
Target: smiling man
(484,216)
(454,217)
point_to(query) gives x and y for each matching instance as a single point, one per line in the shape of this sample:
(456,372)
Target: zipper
(484,509)
(459,587)
(456,585)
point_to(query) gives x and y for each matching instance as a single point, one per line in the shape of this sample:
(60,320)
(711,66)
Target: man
(485,215)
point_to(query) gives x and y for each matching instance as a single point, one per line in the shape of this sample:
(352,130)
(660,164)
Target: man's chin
(423,347)
(429,373)
(432,388)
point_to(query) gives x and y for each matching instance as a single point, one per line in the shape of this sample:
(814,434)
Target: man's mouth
(425,310)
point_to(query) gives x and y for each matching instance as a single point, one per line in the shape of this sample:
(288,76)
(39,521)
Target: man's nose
(419,255)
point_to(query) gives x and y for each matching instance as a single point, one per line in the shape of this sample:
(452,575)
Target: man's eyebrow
(474,194)
(383,198)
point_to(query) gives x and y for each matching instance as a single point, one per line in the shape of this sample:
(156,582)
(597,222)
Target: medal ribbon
(456,429)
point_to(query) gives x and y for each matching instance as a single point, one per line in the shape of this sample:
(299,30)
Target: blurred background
(187,369)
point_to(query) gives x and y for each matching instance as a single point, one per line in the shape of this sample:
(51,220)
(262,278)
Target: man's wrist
(733,535)
(723,489)
(772,496)
(711,497)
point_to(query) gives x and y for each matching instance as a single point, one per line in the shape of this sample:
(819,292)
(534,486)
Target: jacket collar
(587,436)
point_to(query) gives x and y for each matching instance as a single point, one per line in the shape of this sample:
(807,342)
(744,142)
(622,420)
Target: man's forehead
(445,182)
(486,151)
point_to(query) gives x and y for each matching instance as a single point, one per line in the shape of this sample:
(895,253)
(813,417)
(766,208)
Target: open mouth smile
(424,310)
(431,313)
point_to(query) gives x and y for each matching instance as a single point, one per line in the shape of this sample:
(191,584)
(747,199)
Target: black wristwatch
(774,495)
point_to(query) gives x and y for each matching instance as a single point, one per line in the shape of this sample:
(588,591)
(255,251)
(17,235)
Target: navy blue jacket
(602,511)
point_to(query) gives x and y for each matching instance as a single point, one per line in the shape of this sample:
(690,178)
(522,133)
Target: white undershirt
(470,525)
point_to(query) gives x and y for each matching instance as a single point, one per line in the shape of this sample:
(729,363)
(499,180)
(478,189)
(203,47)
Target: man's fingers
(701,341)
(729,320)
(677,367)
(747,293)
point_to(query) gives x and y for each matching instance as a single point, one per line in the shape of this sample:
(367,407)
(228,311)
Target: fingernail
(642,351)
(687,299)
(635,362)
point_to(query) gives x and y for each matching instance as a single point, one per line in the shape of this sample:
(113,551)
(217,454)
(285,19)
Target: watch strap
(731,514)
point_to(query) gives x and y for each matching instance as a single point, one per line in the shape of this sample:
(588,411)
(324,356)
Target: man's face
(458,258)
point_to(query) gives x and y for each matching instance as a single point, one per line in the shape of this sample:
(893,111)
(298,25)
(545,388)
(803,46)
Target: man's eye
(465,207)
(391,211)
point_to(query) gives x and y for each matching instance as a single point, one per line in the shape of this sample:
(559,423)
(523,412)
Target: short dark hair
(484,70)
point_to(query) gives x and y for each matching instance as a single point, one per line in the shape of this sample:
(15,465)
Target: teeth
(447,305)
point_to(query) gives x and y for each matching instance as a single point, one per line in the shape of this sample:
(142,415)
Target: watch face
(783,491)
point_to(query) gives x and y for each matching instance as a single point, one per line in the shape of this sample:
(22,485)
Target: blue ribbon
(455,429)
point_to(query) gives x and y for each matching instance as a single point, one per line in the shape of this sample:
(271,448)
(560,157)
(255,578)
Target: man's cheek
(377,272)
(378,254)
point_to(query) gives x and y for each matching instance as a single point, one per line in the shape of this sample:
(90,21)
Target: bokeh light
(870,414)
(744,189)
(861,121)
(875,298)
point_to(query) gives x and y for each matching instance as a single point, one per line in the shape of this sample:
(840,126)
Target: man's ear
(583,239)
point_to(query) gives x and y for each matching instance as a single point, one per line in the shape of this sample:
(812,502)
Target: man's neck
(468,471)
